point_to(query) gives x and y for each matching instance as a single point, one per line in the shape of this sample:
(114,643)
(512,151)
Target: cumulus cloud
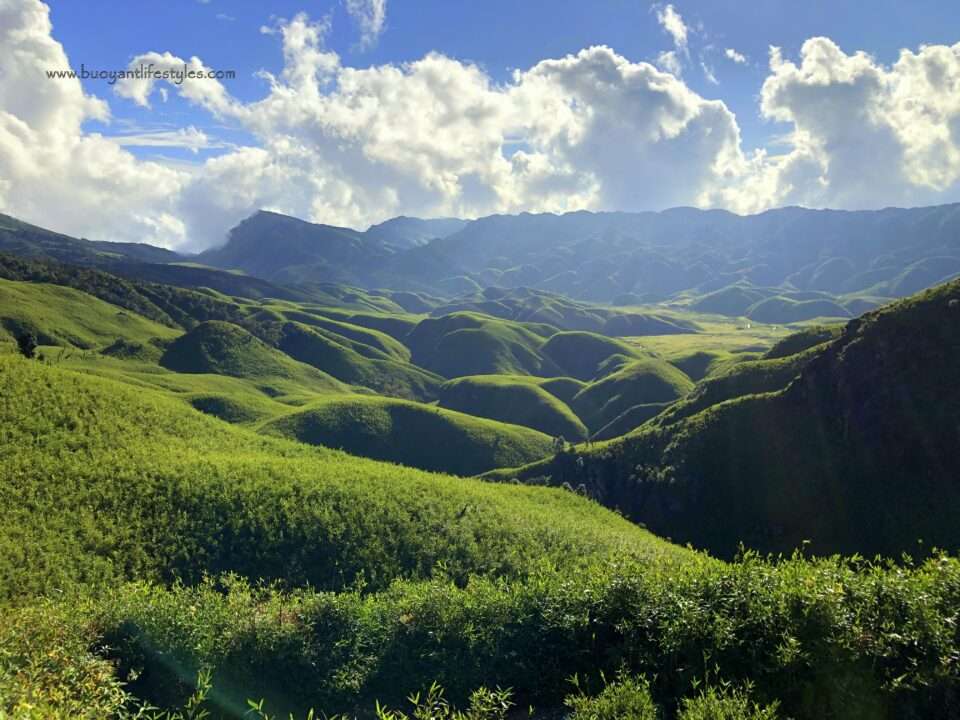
(51,171)
(864,134)
(437,136)
(370,16)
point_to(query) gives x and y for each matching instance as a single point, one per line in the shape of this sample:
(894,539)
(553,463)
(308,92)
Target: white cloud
(738,58)
(51,171)
(673,24)
(205,91)
(863,134)
(669,61)
(189,138)
(370,16)
(708,73)
(438,136)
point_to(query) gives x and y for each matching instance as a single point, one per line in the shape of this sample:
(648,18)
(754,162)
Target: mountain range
(783,265)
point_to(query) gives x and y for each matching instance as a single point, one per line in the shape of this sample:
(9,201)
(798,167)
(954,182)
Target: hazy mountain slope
(266,244)
(24,239)
(858,454)
(406,232)
(528,305)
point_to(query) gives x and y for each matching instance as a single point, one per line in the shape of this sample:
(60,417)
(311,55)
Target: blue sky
(499,35)
(353,111)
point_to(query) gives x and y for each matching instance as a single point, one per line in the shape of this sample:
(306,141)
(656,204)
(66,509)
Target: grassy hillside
(638,382)
(222,348)
(394,430)
(514,399)
(325,352)
(523,304)
(64,316)
(414,578)
(851,451)
(145,487)
(580,354)
(463,343)
(147,544)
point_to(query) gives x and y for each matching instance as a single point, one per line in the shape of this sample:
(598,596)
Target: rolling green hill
(326,352)
(222,348)
(64,316)
(848,445)
(464,343)
(581,354)
(147,487)
(520,400)
(413,434)
(637,382)
(149,546)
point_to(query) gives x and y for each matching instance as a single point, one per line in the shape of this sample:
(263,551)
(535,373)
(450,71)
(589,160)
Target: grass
(64,316)
(463,343)
(718,334)
(104,481)
(222,348)
(581,354)
(639,382)
(322,350)
(696,640)
(148,548)
(515,399)
(846,447)
(390,429)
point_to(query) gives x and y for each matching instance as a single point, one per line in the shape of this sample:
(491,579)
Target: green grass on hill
(804,339)
(416,435)
(749,377)
(639,382)
(848,446)
(359,338)
(315,347)
(103,481)
(581,354)
(787,310)
(64,316)
(513,399)
(222,348)
(463,343)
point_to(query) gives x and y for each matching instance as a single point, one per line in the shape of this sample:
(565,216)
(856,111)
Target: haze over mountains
(783,266)
(618,257)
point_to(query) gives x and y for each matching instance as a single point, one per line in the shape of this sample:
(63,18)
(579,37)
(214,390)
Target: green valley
(448,469)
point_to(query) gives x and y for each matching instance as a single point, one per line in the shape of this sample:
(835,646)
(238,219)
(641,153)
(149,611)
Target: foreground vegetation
(824,639)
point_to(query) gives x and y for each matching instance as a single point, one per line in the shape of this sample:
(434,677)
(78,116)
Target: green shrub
(626,699)
(725,704)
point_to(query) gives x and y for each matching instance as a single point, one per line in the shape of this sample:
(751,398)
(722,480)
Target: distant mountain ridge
(786,265)
(623,258)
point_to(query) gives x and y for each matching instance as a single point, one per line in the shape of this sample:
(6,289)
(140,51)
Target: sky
(350,112)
